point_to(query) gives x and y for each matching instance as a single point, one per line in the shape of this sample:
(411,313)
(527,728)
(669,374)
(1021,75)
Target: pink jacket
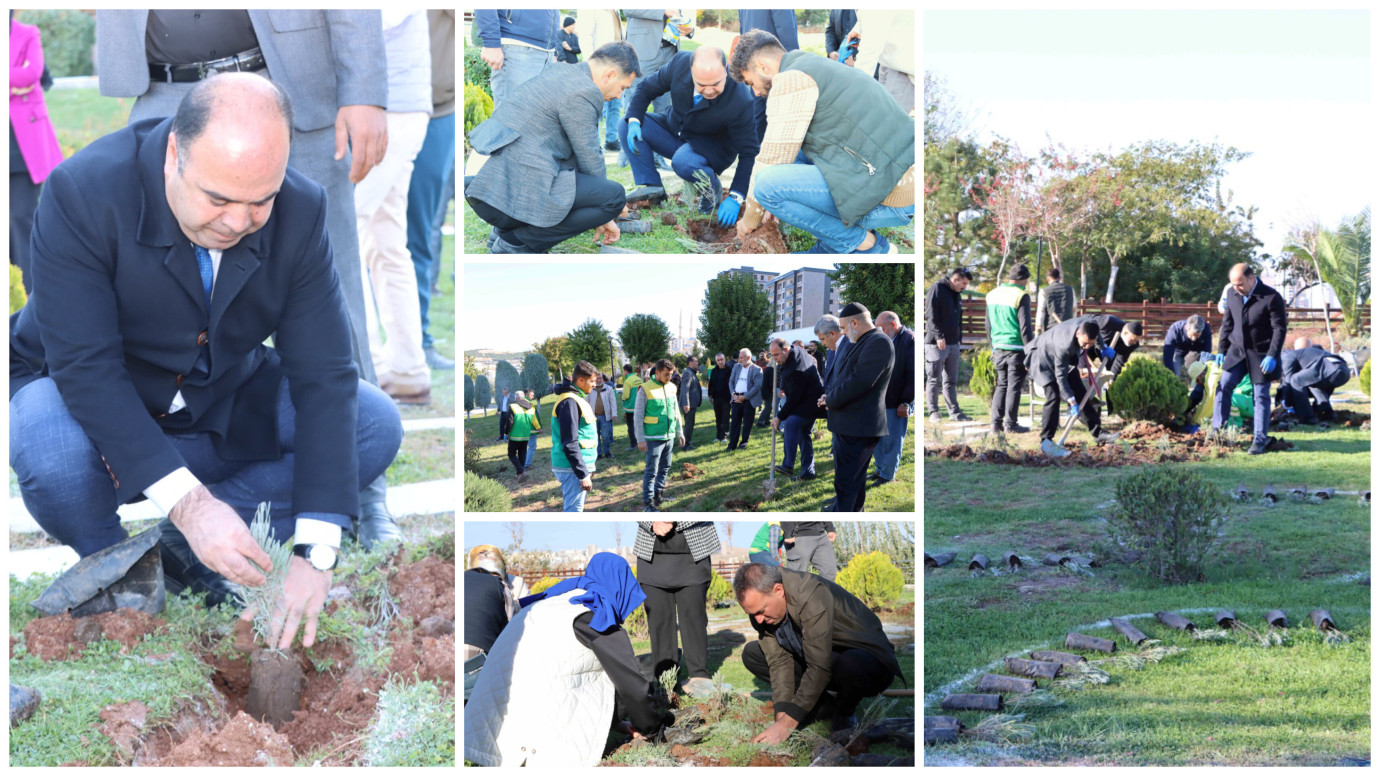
(33,130)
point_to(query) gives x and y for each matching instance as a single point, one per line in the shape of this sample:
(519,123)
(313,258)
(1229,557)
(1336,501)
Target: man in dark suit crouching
(856,401)
(165,255)
(544,180)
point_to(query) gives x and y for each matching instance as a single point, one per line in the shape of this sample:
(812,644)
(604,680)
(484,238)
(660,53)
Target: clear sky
(575,535)
(511,306)
(1291,87)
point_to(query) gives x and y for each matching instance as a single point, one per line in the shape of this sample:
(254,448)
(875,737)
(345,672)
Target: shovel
(769,487)
(126,575)
(1056,449)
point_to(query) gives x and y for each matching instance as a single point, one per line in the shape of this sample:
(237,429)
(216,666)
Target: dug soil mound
(724,239)
(689,471)
(63,637)
(739,505)
(425,589)
(1167,447)
(1350,419)
(242,741)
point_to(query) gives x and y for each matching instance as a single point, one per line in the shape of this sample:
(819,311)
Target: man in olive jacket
(814,639)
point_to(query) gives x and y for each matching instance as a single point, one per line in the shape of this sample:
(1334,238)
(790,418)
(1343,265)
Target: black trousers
(597,201)
(764,419)
(517,453)
(632,433)
(854,674)
(666,606)
(851,455)
(23,204)
(740,424)
(1006,399)
(721,419)
(1055,407)
(504,422)
(689,416)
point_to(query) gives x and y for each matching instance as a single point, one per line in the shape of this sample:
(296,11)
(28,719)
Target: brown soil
(244,636)
(336,707)
(242,742)
(123,723)
(1134,452)
(724,239)
(689,471)
(681,752)
(739,505)
(436,627)
(431,659)
(275,687)
(668,219)
(904,610)
(1350,419)
(425,589)
(55,638)
(762,759)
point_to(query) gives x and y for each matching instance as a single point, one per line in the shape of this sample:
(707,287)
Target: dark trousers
(517,453)
(720,419)
(23,204)
(1055,407)
(740,424)
(597,201)
(689,416)
(632,432)
(1310,389)
(686,160)
(666,606)
(505,419)
(764,419)
(1006,399)
(851,455)
(855,674)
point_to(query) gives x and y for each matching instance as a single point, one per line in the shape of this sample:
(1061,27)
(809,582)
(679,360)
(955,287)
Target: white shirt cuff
(311,531)
(166,492)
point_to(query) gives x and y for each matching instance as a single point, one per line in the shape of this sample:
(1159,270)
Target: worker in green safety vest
(628,395)
(574,437)
(657,418)
(766,545)
(524,423)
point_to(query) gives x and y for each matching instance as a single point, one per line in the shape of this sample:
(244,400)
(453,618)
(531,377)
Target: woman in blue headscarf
(561,672)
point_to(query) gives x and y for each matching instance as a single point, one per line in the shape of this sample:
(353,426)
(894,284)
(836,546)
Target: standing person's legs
(1089,410)
(694,628)
(798,432)
(571,493)
(613,112)
(381,213)
(850,471)
(515,458)
(661,626)
(520,65)
(888,454)
(950,379)
(721,420)
(650,470)
(689,427)
(531,447)
(1015,387)
(23,204)
(597,201)
(663,468)
(798,554)
(901,86)
(1051,412)
(632,433)
(735,425)
(764,419)
(998,392)
(748,412)
(605,436)
(934,358)
(434,165)
(1221,409)
(1262,412)
(822,558)
(798,195)
(790,432)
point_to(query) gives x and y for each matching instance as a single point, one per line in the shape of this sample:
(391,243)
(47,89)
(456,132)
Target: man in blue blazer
(165,255)
(710,124)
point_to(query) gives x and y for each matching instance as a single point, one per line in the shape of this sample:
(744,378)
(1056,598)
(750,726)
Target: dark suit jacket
(1108,326)
(1300,362)
(901,389)
(832,359)
(840,24)
(541,135)
(781,23)
(720,130)
(828,618)
(118,309)
(1055,356)
(857,396)
(800,380)
(1253,329)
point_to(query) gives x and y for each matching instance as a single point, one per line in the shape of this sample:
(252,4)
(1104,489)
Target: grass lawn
(736,476)
(1228,702)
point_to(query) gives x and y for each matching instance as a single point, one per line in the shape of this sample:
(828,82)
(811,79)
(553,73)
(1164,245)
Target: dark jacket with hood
(943,314)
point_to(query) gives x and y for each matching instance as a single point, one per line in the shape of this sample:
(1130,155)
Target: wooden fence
(1157,317)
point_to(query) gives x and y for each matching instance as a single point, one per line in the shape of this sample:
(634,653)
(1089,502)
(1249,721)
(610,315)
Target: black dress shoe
(801,477)
(182,570)
(829,505)
(878,479)
(611,145)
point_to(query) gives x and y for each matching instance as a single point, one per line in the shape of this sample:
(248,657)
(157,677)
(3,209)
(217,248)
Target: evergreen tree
(469,395)
(506,378)
(879,287)
(645,337)
(589,342)
(483,394)
(736,315)
(536,374)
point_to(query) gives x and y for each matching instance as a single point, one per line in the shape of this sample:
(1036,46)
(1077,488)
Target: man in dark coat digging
(1056,359)
(822,649)
(1252,337)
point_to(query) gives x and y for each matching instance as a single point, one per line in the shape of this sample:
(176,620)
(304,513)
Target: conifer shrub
(1147,390)
(873,578)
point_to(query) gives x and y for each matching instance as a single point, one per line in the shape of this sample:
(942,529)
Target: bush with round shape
(983,383)
(1147,390)
(873,578)
(719,590)
(1365,379)
(485,495)
(543,584)
(1172,517)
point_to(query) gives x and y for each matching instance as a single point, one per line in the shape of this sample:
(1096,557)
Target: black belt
(246,61)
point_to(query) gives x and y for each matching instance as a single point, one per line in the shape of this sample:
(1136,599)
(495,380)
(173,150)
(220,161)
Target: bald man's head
(227,157)
(1302,342)
(709,72)
(1242,278)
(889,322)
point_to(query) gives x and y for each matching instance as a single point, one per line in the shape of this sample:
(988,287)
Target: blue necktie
(203,262)
(698,97)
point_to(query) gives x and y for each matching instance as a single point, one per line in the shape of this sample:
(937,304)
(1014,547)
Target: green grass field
(736,476)
(1232,702)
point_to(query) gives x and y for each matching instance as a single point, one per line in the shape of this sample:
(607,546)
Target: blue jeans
(520,65)
(798,195)
(798,430)
(658,466)
(613,111)
(570,491)
(531,451)
(426,209)
(764,557)
(888,455)
(605,435)
(68,490)
(1261,392)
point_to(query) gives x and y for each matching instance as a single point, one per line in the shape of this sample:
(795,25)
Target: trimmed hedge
(1147,390)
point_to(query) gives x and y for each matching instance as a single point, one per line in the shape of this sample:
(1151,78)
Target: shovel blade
(769,488)
(1052,449)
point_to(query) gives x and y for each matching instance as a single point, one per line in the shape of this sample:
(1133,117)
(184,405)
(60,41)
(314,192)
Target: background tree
(588,342)
(1007,202)
(471,366)
(728,532)
(645,337)
(878,287)
(506,377)
(617,535)
(680,360)
(1062,204)
(536,375)
(553,350)
(1341,257)
(516,530)
(483,394)
(469,394)
(736,314)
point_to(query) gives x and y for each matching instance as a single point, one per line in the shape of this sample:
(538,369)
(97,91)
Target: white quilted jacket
(542,698)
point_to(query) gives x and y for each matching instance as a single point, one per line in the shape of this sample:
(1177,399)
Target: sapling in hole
(275,677)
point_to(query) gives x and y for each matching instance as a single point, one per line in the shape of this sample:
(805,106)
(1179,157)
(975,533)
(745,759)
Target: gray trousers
(313,155)
(899,85)
(817,550)
(941,366)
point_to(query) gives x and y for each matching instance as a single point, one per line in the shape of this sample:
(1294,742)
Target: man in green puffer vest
(658,422)
(859,143)
(628,396)
(574,437)
(1009,329)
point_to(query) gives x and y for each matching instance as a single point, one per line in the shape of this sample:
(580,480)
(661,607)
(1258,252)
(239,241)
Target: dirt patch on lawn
(425,589)
(689,471)
(64,637)
(724,239)
(739,505)
(1140,443)
(242,742)
(1350,419)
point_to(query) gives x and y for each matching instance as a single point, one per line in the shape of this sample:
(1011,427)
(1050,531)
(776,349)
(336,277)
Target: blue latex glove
(1219,358)
(1109,353)
(1268,364)
(728,211)
(634,135)
(1073,409)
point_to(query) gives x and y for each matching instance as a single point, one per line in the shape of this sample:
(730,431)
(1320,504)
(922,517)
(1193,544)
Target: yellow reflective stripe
(588,443)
